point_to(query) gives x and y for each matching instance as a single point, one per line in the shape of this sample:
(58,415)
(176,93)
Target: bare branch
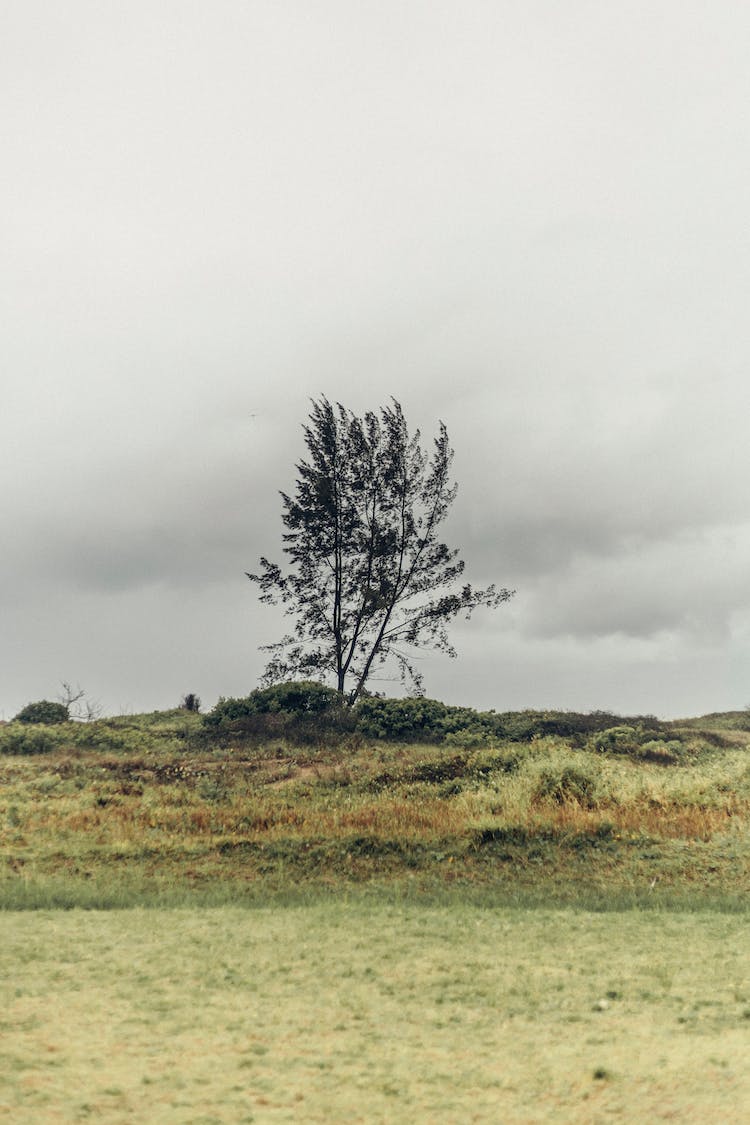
(78,707)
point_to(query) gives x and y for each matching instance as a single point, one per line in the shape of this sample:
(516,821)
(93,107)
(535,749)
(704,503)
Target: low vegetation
(283,793)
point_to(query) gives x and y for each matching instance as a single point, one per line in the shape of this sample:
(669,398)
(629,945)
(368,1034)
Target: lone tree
(369,579)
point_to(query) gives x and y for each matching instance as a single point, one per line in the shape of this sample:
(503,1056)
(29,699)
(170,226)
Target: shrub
(427,719)
(417,719)
(661,752)
(43,712)
(298,698)
(190,702)
(228,710)
(523,726)
(305,712)
(401,720)
(303,697)
(21,740)
(444,769)
(469,738)
(617,740)
(566,783)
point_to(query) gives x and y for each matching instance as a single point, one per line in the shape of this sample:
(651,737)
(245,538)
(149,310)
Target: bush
(662,753)
(567,783)
(43,712)
(227,711)
(469,738)
(21,740)
(523,726)
(304,698)
(617,740)
(444,769)
(420,719)
(304,712)
(401,720)
(427,719)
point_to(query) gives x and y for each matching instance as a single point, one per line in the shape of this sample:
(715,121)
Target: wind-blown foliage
(369,578)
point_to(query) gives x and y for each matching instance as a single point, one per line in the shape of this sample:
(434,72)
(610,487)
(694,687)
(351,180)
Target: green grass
(370,1012)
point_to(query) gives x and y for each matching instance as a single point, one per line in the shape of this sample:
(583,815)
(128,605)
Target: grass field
(552,929)
(374,1013)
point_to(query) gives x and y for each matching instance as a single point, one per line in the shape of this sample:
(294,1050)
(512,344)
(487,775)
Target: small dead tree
(77,705)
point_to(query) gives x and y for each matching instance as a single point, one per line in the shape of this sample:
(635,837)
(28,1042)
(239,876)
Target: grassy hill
(165,808)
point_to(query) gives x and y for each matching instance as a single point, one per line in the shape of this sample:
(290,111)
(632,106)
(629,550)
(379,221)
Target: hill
(170,807)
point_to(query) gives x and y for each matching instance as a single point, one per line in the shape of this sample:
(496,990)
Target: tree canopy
(369,581)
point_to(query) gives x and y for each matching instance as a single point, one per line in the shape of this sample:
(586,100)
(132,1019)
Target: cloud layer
(529,222)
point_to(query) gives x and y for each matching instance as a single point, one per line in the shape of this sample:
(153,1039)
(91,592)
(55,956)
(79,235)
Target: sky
(530,221)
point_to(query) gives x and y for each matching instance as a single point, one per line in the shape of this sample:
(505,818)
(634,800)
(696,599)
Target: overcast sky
(528,220)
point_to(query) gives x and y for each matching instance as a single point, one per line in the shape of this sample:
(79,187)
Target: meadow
(238,925)
(354,1011)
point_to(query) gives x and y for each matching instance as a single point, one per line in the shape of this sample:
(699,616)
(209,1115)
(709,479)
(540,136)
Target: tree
(369,580)
(77,705)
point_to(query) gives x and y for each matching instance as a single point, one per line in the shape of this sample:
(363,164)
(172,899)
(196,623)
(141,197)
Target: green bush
(304,697)
(297,698)
(444,769)
(427,719)
(43,712)
(97,736)
(304,712)
(469,738)
(523,726)
(227,711)
(566,783)
(401,720)
(617,740)
(416,719)
(662,752)
(638,741)
(20,740)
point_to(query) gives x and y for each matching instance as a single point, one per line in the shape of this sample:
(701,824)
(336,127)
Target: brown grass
(669,820)
(372,812)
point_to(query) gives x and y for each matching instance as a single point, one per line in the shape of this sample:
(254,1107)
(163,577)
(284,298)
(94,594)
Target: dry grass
(668,820)
(279,815)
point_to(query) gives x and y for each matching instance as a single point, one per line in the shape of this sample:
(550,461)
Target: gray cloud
(528,221)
